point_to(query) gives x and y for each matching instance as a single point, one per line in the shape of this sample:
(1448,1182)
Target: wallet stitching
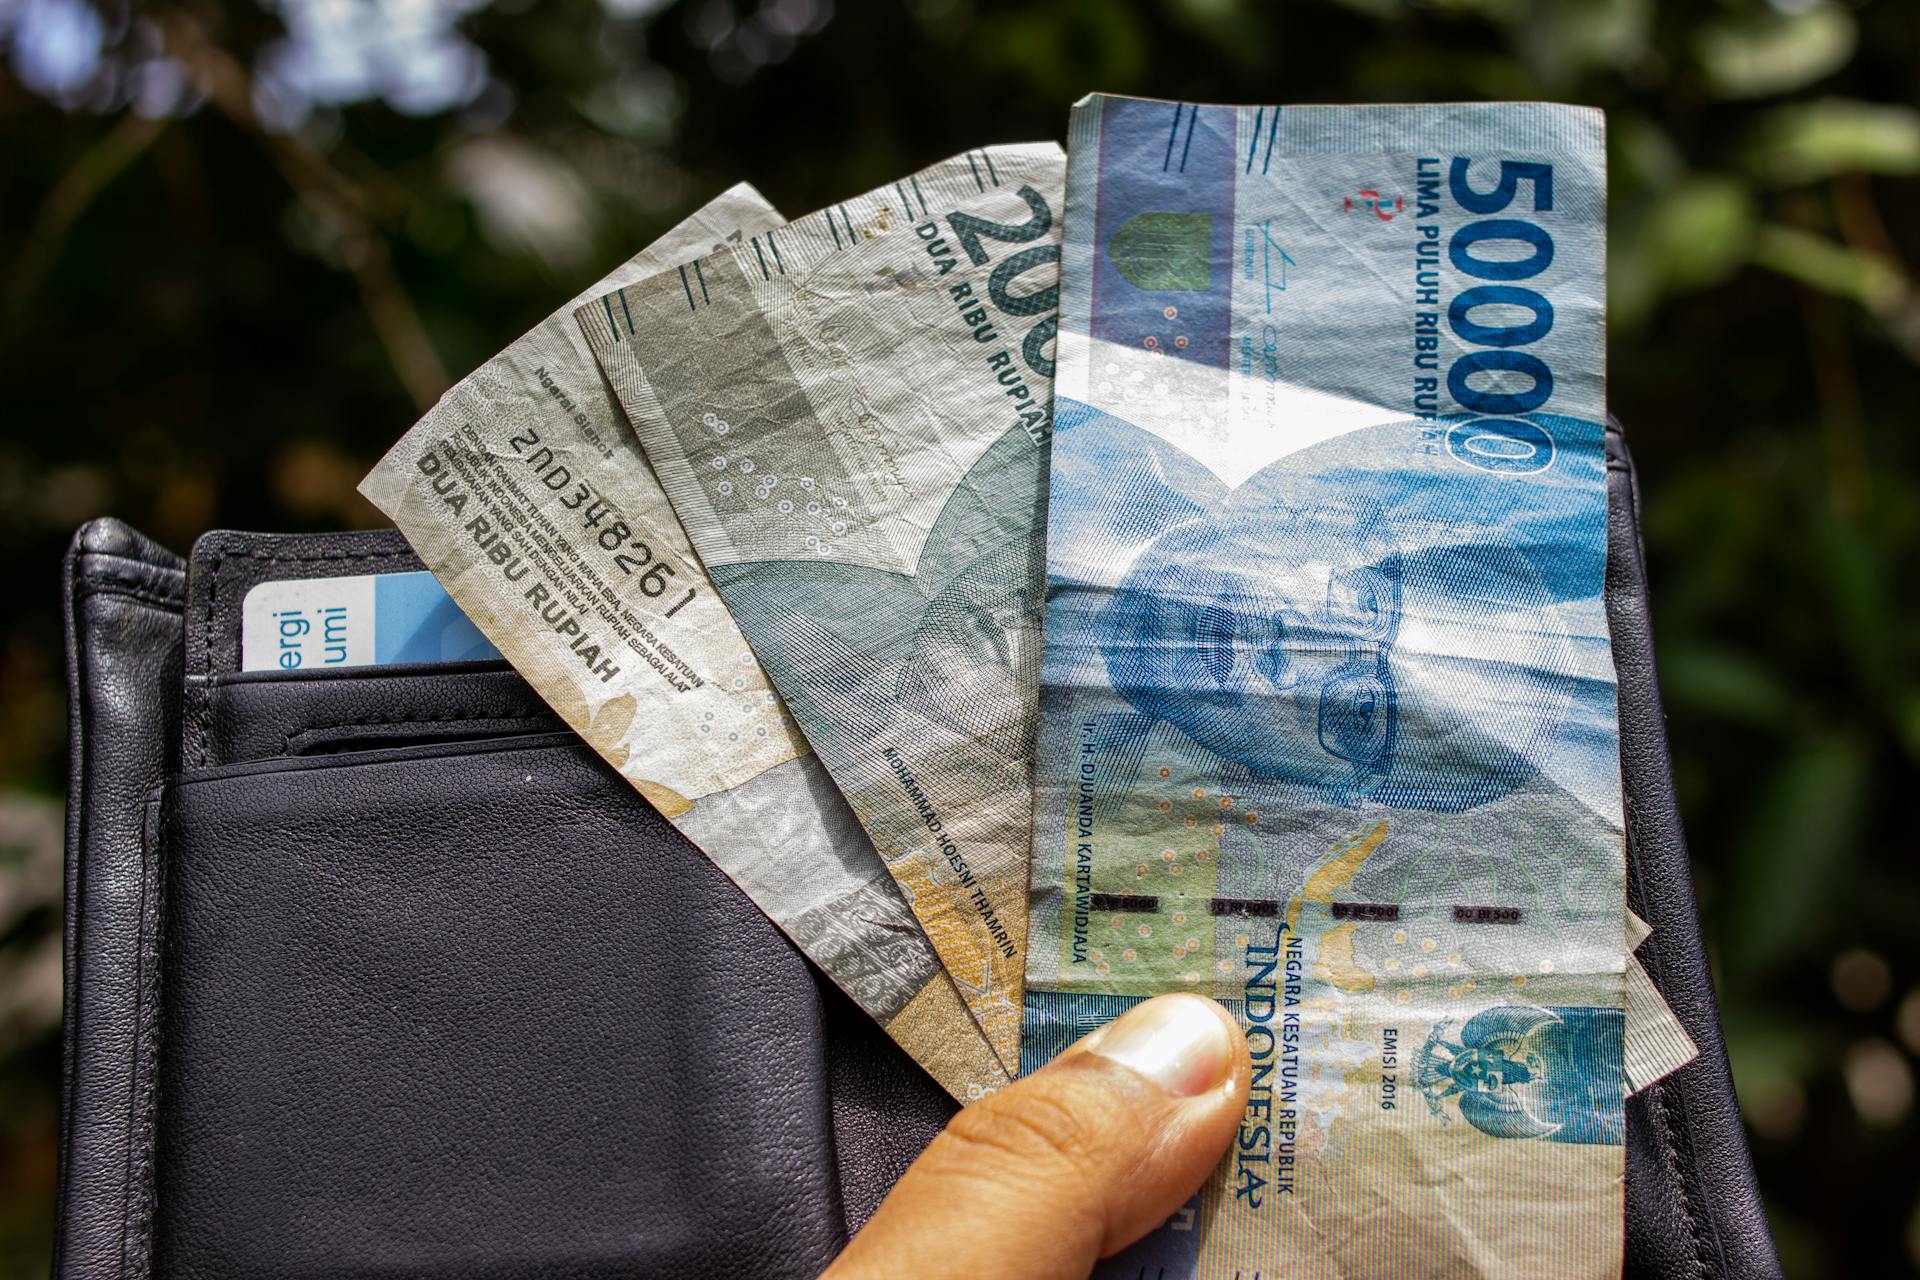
(85,584)
(137,1223)
(1700,1244)
(1706,1246)
(73,919)
(1707,1249)
(131,573)
(1705,1241)
(1669,1147)
(98,561)
(170,603)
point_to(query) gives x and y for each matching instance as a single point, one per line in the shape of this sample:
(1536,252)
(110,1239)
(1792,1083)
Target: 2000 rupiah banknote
(525,492)
(850,415)
(1327,712)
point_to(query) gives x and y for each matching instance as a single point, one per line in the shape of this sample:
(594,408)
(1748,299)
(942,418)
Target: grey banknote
(1656,1045)
(851,415)
(526,493)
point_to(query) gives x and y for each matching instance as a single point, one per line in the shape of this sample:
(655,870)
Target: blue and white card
(308,624)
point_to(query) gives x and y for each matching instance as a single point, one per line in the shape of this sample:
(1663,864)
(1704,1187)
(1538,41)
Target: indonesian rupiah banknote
(526,493)
(1655,1044)
(850,415)
(1327,710)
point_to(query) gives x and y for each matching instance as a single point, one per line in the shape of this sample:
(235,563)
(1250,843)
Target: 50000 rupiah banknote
(1327,713)
(527,495)
(850,415)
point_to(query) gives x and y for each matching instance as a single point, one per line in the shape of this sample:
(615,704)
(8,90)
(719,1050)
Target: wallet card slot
(266,715)
(362,735)
(476,1011)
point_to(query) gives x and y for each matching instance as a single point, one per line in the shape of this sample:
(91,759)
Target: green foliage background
(218,309)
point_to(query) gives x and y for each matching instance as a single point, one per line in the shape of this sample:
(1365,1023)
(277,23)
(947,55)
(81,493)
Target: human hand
(1072,1163)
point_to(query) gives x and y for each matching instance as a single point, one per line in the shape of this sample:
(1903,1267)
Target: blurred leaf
(1223,23)
(1812,140)
(1831,267)
(30,851)
(1695,236)
(1865,607)
(1640,153)
(1373,8)
(641,104)
(1562,38)
(529,201)
(1068,50)
(1769,1052)
(1724,683)
(1702,232)
(1208,13)
(1794,851)
(1774,52)
(1806,1252)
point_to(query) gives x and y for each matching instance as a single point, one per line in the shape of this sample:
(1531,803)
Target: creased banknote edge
(951,1071)
(614,353)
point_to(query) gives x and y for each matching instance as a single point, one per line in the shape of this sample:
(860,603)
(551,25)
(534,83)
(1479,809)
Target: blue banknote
(1327,709)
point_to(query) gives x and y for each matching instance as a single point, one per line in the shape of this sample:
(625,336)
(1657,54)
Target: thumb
(1071,1163)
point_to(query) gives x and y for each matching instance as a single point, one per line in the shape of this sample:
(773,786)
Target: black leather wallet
(381,972)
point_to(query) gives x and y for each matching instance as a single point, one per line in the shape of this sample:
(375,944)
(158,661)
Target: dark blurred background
(242,247)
